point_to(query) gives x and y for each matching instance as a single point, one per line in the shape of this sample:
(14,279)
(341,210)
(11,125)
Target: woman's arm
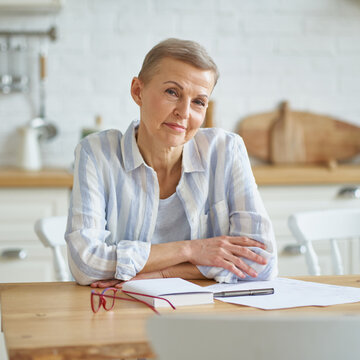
(93,253)
(223,251)
(247,215)
(185,271)
(179,259)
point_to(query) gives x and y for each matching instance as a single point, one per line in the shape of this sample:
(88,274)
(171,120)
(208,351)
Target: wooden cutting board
(288,137)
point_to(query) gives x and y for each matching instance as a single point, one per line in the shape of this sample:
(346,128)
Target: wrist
(187,249)
(185,271)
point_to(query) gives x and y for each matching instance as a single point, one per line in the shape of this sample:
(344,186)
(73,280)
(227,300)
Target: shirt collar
(192,161)
(133,159)
(129,148)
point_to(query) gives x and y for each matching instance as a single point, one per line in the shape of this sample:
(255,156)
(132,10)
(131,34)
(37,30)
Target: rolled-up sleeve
(93,251)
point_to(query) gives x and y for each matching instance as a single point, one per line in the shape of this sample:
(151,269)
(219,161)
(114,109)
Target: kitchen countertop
(51,177)
(264,175)
(306,174)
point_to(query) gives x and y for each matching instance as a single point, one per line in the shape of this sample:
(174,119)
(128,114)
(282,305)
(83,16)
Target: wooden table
(54,321)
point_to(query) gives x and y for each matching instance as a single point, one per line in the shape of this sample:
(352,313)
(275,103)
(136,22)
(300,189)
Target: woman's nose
(182,109)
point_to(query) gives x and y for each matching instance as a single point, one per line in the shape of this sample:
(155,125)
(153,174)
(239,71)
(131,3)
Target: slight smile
(177,127)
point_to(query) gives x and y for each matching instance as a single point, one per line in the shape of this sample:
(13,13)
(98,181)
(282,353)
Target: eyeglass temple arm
(151,296)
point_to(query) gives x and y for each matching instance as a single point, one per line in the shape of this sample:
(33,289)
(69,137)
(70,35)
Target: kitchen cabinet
(307,192)
(27,196)
(23,258)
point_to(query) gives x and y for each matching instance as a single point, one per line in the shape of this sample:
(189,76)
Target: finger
(103,285)
(236,265)
(244,267)
(234,269)
(245,241)
(229,265)
(98,284)
(248,254)
(107,283)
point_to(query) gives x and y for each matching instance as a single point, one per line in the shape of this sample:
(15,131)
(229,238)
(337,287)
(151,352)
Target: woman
(166,198)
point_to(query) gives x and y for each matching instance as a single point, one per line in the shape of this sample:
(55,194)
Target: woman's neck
(162,159)
(167,163)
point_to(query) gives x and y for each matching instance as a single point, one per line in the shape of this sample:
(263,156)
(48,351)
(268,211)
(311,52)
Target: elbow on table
(84,282)
(80,278)
(84,274)
(269,271)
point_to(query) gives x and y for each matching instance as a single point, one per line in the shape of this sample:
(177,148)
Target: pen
(267,291)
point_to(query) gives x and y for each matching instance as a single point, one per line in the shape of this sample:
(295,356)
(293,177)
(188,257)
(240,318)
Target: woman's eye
(199,102)
(171,92)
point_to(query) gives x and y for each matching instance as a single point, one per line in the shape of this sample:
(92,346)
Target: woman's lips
(177,127)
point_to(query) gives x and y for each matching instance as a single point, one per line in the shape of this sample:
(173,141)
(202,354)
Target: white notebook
(178,291)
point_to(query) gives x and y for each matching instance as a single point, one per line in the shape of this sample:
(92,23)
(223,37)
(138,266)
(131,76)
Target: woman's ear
(136,88)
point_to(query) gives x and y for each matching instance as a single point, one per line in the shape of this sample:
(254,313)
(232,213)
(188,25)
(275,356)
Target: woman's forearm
(226,252)
(186,271)
(166,255)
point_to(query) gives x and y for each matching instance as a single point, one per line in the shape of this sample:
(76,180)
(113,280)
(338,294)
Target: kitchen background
(304,51)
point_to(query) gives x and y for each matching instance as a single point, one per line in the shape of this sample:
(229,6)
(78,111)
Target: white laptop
(257,337)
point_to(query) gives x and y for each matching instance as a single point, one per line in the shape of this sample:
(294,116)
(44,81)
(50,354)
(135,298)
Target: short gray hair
(187,51)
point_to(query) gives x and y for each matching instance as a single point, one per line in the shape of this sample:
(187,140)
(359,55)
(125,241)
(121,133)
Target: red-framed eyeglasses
(106,299)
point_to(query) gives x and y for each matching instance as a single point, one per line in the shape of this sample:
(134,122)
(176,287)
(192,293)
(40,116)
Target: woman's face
(173,102)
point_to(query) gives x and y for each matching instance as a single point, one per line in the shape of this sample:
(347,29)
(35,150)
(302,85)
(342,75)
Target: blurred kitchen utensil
(315,138)
(36,130)
(287,134)
(46,129)
(29,155)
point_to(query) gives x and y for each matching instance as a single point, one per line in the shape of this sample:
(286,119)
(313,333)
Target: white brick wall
(305,51)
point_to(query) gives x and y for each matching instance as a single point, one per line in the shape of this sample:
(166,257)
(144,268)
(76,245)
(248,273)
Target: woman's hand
(226,252)
(222,251)
(106,283)
(118,283)
(185,270)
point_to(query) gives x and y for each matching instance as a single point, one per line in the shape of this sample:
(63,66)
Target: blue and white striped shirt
(115,201)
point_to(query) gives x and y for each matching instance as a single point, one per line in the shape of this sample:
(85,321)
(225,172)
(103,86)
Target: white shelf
(31,6)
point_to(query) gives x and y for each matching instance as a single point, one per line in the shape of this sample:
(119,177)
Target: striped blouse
(115,200)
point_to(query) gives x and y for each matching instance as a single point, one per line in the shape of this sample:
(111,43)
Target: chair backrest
(332,225)
(51,231)
(256,337)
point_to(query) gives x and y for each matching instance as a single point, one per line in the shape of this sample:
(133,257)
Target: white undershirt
(171,223)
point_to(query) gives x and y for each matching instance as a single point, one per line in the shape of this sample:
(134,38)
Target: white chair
(329,225)
(260,337)
(51,231)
